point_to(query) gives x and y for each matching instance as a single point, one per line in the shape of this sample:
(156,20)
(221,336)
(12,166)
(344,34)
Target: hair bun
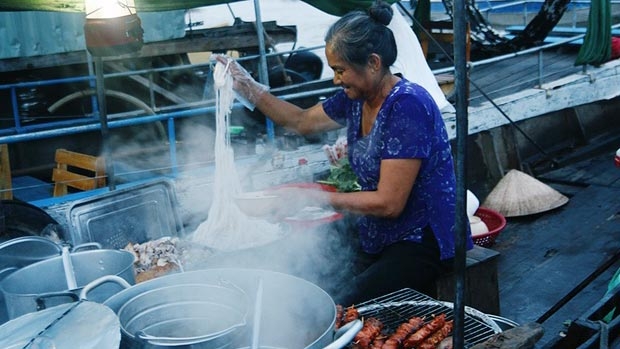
(381,12)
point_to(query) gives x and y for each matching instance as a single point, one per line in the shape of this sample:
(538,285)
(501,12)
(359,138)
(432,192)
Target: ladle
(258,305)
(68,267)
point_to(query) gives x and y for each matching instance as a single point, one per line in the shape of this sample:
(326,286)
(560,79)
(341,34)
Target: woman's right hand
(244,84)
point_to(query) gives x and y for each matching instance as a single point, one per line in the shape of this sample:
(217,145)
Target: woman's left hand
(292,200)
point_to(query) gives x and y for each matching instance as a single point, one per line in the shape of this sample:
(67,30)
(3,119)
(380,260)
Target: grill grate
(398,307)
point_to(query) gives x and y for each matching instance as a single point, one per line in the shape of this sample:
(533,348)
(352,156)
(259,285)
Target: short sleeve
(335,107)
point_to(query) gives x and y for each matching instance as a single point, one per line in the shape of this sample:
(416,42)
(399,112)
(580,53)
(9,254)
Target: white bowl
(257,203)
(478,227)
(472,203)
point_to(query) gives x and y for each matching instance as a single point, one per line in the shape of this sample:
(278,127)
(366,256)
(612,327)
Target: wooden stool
(5,173)
(481,282)
(73,170)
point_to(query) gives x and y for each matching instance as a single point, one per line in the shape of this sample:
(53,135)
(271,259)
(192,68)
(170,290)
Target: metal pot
(294,312)
(184,314)
(44,284)
(25,250)
(75,325)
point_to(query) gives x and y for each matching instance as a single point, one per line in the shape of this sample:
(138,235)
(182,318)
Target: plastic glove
(247,90)
(292,200)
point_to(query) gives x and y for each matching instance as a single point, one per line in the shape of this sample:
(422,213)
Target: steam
(320,255)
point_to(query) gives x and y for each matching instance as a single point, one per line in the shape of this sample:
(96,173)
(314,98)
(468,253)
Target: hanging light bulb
(112,27)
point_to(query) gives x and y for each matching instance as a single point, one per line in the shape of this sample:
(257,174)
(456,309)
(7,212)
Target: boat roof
(337,8)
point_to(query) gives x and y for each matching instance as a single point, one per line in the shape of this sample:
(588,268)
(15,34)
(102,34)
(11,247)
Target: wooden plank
(240,37)
(599,170)
(481,282)
(518,73)
(74,180)
(5,173)
(73,159)
(544,257)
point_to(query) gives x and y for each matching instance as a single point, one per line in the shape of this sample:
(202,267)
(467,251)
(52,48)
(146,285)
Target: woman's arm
(292,117)
(281,112)
(397,177)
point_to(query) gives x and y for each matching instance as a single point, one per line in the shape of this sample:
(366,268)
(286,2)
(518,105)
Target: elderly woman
(398,148)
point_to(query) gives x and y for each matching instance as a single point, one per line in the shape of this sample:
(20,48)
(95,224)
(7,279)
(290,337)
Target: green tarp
(596,48)
(333,7)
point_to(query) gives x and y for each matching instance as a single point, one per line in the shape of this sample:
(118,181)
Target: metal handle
(6,271)
(102,280)
(345,334)
(87,245)
(67,265)
(40,300)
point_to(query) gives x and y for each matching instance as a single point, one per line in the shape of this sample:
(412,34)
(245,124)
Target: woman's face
(353,79)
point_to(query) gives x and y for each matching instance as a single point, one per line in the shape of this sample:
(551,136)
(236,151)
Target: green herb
(342,177)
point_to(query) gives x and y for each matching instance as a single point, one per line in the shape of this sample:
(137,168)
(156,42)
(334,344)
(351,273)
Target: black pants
(401,265)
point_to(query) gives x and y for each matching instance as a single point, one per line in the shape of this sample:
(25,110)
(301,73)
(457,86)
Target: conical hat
(518,194)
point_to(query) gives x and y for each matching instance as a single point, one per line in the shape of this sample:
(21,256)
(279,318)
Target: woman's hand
(293,200)
(248,90)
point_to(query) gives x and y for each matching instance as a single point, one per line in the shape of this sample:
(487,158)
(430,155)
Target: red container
(495,221)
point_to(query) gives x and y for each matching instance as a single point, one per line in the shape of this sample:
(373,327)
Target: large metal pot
(44,284)
(25,250)
(71,325)
(294,312)
(184,314)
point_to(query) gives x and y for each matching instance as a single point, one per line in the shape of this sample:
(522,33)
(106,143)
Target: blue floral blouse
(408,125)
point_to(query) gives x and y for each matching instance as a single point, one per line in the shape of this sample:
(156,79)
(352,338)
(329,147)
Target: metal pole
(462,131)
(103,118)
(263,74)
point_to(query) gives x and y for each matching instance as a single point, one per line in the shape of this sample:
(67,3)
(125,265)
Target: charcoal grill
(395,308)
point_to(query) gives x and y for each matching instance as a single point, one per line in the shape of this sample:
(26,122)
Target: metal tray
(133,214)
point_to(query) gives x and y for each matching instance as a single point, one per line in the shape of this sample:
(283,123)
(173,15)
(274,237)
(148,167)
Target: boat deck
(554,266)
(512,75)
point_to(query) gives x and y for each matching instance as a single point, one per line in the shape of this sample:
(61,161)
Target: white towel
(410,61)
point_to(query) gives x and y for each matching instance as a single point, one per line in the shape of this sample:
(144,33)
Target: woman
(398,148)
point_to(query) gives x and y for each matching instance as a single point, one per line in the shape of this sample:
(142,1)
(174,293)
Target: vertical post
(263,74)
(540,68)
(173,147)
(462,130)
(103,118)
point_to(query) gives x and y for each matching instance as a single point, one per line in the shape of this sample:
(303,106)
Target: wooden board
(599,170)
(518,73)
(481,282)
(240,36)
(544,257)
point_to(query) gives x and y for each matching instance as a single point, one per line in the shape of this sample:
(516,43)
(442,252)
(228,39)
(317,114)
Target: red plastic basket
(495,221)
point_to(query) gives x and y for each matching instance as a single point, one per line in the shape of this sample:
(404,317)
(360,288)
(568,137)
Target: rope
(482,92)
(488,42)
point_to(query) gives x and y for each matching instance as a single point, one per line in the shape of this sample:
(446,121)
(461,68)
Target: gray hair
(357,35)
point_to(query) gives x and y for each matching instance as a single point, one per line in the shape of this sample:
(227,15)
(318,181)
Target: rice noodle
(226,227)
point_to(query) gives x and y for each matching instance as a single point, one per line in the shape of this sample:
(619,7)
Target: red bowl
(494,220)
